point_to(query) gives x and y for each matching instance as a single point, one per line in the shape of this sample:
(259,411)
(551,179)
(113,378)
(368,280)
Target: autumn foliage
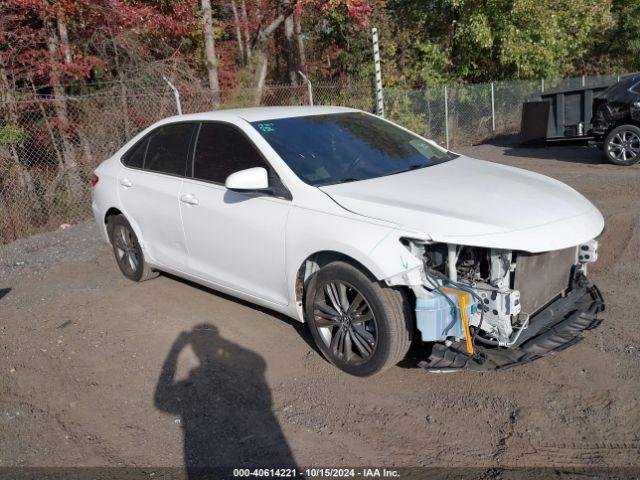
(85,42)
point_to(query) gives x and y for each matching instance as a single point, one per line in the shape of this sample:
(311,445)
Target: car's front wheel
(622,145)
(359,325)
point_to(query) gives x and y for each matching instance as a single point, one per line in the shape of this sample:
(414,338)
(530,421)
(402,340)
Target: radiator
(541,277)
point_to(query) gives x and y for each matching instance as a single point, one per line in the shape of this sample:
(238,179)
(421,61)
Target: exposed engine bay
(487,273)
(482,297)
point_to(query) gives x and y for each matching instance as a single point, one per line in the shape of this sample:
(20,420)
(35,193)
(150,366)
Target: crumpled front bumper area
(556,327)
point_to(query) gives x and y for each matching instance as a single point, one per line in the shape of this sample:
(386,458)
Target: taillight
(94,180)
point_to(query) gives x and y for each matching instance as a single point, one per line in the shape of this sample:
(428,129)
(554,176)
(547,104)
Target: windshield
(346,147)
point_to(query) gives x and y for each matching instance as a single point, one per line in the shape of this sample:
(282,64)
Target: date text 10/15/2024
(316,473)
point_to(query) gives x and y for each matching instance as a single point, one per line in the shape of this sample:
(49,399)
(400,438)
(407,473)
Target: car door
(149,188)
(234,239)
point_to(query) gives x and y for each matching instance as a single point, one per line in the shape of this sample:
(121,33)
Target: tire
(361,335)
(622,145)
(127,250)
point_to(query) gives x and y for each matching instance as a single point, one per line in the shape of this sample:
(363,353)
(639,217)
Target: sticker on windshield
(266,127)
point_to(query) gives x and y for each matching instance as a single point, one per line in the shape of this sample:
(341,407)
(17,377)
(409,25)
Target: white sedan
(373,235)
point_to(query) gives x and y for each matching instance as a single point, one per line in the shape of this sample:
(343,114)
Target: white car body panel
(237,239)
(151,198)
(372,244)
(473,202)
(252,246)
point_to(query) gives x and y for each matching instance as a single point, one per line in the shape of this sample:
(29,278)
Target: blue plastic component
(434,314)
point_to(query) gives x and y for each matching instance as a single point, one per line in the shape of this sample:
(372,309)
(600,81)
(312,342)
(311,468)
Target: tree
(238,29)
(210,51)
(289,49)
(484,40)
(622,46)
(248,43)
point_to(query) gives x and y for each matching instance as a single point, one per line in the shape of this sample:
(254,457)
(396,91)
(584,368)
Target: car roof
(620,87)
(256,114)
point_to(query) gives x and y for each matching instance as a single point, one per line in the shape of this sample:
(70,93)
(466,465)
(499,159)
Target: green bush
(11,134)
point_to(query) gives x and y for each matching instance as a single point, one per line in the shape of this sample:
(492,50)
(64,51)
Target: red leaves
(359,10)
(141,31)
(65,127)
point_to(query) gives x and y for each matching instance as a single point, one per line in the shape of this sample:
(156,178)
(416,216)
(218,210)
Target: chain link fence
(49,147)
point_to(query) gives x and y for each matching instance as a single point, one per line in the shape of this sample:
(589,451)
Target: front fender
(374,245)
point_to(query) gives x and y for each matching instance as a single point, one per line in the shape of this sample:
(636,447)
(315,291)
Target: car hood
(472,202)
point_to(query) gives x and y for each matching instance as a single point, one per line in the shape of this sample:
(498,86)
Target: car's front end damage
(488,309)
(510,246)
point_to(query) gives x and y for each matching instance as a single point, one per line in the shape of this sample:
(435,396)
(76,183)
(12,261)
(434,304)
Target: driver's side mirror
(248,180)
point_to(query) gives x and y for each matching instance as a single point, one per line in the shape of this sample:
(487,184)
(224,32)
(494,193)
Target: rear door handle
(125,182)
(189,199)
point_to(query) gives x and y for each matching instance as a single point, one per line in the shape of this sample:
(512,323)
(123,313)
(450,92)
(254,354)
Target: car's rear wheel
(622,145)
(127,250)
(359,325)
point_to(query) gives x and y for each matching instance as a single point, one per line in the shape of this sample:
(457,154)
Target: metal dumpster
(562,115)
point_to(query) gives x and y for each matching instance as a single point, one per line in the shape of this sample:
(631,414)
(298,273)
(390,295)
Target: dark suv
(616,121)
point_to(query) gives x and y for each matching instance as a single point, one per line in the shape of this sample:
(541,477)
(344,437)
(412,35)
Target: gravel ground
(33,255)
(99,371)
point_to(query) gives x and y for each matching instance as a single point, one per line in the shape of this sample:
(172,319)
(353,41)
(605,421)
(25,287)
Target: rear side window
(168,149)
(134,158)
(222,150)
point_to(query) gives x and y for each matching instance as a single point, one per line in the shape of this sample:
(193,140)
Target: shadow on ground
(300,328)
(224,405)
(418,351)
(565,153)
(4,292)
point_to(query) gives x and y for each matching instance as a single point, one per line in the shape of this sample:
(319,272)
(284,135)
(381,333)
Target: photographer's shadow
(224,405)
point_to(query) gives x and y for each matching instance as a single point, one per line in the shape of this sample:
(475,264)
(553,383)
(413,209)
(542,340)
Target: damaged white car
(373,235)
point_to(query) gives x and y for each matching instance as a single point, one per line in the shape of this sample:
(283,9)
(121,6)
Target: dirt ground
(88,361)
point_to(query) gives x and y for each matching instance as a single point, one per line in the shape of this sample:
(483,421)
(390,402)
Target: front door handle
(125,182)
(189,199)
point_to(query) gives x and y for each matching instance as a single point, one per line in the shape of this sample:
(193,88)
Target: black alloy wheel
(345,322)
(622,145)
(359,324)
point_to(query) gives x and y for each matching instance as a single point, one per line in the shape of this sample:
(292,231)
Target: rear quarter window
(134,158)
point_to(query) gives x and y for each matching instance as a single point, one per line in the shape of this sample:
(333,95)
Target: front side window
(222,150)
(168,149)
(346,147)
